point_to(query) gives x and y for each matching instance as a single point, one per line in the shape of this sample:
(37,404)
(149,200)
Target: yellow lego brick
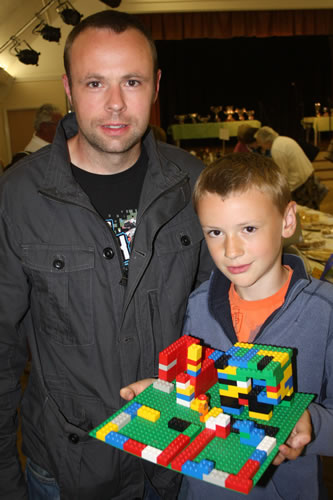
(148,413)
(101,433)
(244,344)
(244,390)
(194,352)
(212,413)
(229,370)
(274,395)
(193,368)
(187,392)
(232,393)
(261,416)
(282,358)
(290,392)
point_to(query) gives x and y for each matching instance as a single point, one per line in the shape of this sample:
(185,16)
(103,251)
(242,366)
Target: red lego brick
(193,449)
(174,448)
(206,379)
(133,446)
(272,388)
(244,402)
(249,469)
(206,352)
(223,432)
(237,483)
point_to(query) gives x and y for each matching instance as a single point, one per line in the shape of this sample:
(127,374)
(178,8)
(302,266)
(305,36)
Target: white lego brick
(121,420)
(183,402)
(182,385)
(267,444)
(163,385)
(211,423)
(167,367)
(150,453)
(222,419)
(244,385)
(217,477)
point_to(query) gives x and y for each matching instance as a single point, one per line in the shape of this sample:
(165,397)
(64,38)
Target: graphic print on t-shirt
(124,226)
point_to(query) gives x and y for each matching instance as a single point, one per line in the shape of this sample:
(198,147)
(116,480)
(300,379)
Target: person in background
(289,156)
(246,139)
(45,125)
(100,249)
(257,295)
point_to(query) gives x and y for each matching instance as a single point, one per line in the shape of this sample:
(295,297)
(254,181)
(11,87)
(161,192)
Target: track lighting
(49,33)
(68,14)
(27,56)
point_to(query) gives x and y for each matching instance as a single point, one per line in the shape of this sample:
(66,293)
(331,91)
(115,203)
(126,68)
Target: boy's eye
(250,229)
(214,233)
(133,83)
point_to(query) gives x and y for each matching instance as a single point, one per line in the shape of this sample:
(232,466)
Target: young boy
(257,295)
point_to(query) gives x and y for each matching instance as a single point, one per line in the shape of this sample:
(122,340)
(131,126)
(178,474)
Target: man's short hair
(266,134)
(108,20)
(45,114)
(239,172)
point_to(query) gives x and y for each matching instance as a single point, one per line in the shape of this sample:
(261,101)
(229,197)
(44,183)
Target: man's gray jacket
(88,334)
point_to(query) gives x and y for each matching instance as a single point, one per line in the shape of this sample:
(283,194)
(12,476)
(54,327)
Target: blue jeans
(41,486)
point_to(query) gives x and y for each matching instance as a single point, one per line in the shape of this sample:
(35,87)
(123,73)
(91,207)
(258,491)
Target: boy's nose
(232,247)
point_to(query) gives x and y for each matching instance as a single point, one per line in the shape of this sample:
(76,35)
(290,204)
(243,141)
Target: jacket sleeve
(322,412)
(14,293)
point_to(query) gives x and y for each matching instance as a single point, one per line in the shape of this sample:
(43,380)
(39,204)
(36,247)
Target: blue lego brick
(232,350)
(289,382)
(216,355)
(259,382)
(263,398)
(259,455)
(192,373)
(133,409)
(116,439)
(192,469)
(255,438)
(184,397)
(244,425)
(232,411)
(206,466)
(238,362)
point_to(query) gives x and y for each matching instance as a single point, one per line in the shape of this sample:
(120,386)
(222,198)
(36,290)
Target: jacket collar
(59,182)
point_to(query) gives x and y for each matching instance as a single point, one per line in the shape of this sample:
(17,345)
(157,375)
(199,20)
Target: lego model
(217,416)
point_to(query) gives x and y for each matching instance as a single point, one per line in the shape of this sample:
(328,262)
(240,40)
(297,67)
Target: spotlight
(49,33)
(68,14)
(27,56)
(112,3)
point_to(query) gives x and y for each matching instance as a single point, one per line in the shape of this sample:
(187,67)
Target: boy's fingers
(130,391)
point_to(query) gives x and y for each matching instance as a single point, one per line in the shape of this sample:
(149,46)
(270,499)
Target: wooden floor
(324,170)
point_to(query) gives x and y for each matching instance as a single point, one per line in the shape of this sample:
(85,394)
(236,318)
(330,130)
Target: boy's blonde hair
(238,172)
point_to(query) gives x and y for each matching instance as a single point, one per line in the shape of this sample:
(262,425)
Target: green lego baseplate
(200,418)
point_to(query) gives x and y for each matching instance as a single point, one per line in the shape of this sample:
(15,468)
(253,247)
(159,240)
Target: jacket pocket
(178,249)
(62,279)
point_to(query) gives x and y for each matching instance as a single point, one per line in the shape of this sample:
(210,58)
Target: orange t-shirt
(248,316)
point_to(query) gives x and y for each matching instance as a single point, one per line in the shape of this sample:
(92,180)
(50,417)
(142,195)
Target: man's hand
(130,391)
(298,439)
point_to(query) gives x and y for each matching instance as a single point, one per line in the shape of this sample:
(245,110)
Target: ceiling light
(68,14)
(27,56)
(49,33)
(112,3)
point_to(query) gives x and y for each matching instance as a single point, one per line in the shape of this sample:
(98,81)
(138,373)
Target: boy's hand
(298,439)
(130,391)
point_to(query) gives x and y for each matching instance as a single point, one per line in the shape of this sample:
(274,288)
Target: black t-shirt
(116,198)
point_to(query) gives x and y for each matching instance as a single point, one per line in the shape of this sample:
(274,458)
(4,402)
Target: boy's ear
(289,220)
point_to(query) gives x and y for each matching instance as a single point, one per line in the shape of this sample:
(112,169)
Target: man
(45,125)
(100,248)
(290,157)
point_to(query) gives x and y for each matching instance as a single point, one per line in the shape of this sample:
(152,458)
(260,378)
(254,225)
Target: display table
(318,124)
(207,130)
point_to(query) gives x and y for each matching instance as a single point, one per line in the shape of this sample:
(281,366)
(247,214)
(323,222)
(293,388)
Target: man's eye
(94,85)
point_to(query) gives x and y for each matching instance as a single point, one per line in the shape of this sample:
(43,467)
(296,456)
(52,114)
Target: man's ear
(289,220)
(67,88)
(157,84)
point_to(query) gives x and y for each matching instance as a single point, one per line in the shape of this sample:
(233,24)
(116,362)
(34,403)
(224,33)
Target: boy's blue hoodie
(304,322)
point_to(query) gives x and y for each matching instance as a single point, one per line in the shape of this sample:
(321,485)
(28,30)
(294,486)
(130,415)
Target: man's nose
(115,99)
